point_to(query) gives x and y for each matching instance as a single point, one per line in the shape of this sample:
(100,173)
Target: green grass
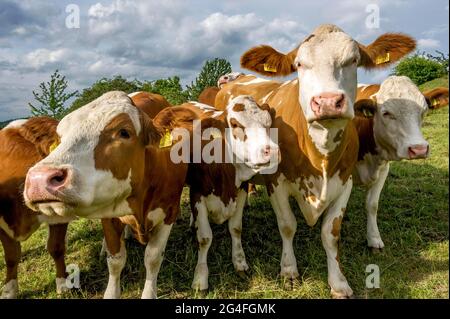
(434,83)
(413,220)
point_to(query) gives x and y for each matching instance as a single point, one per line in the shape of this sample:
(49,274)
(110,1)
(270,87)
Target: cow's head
(327,62)
(229,77)
(249,135)
(398,109)
(98,162)
(437,97)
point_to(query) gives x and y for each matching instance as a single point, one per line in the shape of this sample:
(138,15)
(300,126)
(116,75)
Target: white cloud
(428,43)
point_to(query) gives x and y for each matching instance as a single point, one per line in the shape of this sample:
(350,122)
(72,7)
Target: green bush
(420,69)
(170,88)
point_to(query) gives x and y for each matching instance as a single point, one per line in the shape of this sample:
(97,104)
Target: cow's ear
(267,61)
(151,135)
(365,107)
(385,50)
(437,98)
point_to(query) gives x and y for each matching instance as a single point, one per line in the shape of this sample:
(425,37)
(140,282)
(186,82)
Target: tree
(118,83)
(52,97)
(170,88)
(420,69)
(440,57)
(208,76)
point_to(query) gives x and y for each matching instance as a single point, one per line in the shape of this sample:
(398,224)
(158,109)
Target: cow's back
(208,95)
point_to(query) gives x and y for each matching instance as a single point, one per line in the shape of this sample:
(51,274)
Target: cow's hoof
(345,293)
(10,290)
(290,284)
(375,242)
(242,274)
(61,286)
(375,250)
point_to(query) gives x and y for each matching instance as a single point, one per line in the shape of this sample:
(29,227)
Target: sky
(151,39)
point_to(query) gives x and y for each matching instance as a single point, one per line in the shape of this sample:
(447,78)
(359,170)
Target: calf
(388,121)
(22,144)
(109,165)
(317,138)
(208,95)
(215,187)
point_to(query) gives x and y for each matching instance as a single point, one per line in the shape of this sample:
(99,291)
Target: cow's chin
(54,208)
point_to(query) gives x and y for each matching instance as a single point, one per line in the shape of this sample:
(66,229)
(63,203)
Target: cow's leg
(56,246)
(154,253)
(372,199)
(331,228)
(11,248)
(235,228)
(116,255)
(204,237)
(287,225)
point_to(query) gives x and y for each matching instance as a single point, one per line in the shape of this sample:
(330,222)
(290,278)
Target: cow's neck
(326,136)
(243,173)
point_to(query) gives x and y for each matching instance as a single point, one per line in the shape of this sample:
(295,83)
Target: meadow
(413,221)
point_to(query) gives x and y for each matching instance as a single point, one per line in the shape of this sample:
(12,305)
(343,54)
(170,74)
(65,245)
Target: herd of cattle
(109,159)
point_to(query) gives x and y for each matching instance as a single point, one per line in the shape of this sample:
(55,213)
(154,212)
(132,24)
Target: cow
(109,166)
(217,188)
(388,121)
(208,95)
(317,138)
(149,103)
(22,144)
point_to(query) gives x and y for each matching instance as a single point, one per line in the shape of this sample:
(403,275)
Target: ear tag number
(166,140)
(269,68)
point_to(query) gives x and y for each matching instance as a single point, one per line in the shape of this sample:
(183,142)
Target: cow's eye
(389,115)
(123,133)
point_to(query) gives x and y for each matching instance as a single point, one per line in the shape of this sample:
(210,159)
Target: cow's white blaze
(94,193)
(398,119)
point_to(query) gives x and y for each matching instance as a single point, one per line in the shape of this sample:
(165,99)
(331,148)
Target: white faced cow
(317,138)
(388,121)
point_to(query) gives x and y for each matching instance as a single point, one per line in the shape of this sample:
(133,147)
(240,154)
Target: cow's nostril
(58,178)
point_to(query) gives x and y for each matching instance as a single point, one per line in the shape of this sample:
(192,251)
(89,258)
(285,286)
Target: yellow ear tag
(53,146)
(166,140)
(383,59)
(434,102)
(269,68)
(216,134)
(367,113)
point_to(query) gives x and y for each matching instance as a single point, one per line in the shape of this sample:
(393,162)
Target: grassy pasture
(413,220)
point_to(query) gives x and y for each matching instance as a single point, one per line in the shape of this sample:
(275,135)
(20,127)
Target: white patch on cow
(206,108)
(115,265)
(134,94)
(156,216)
(61,286)
(256,80)
(204,238)
(362,86)
(323,134)
(10,290)
(154,253)
(16,123)
(235,229)
(218,210)
(10,232)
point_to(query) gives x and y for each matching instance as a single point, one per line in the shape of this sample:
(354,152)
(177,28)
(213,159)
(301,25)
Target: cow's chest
(218,210)
(314,194)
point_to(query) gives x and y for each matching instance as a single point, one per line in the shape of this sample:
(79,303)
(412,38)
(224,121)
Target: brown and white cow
(208,95)
(437,97)
(109,165)
(388,121)
(216,190)
(22,144)
(317,139)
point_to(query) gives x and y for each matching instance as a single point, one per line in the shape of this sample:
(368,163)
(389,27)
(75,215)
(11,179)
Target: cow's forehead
(94,117)
(401,90)
(334,45)
(248,112)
